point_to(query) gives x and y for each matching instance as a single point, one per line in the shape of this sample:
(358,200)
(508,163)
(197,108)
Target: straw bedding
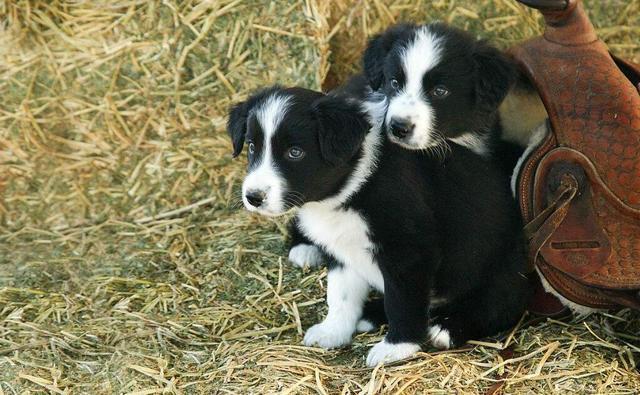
(127,264)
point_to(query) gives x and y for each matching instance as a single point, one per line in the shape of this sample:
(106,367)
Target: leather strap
(539,230)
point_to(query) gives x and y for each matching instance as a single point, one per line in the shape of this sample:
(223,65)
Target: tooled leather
(622,270)
(594,109)
(572,289)
(587,296)
(620,224)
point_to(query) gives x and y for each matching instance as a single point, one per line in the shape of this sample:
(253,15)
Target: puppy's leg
(491,309)
(373,315)
(452,325)
(302,251)
(406,306)
(346,294)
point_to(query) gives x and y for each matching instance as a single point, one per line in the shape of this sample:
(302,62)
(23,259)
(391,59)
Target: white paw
(305,255)
(440,337)
(365,325)
(384,352)
(328,335)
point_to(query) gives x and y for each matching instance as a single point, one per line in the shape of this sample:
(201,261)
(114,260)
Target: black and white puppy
(438,237)
(442,86)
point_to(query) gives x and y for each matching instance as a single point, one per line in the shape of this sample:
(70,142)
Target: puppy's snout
(400,127)
(255,198)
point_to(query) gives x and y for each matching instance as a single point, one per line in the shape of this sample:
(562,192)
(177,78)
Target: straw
(127,264)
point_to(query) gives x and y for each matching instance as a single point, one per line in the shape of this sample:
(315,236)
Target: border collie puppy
(440,238)
(442,86)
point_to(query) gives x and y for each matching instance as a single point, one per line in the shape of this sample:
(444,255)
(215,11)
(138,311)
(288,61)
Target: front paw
(440,337)
(384,352)
(328,335)
(365,325)
(305,255)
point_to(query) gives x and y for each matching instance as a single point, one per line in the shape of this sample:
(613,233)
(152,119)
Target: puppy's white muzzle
(263,191)
(409,122)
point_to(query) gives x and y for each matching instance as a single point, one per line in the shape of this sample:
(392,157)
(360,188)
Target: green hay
(126,262)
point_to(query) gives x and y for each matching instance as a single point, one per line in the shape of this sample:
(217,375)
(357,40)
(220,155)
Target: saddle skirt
(579,190)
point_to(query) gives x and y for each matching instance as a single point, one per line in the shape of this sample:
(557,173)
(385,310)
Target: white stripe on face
(421,55)
(264,177)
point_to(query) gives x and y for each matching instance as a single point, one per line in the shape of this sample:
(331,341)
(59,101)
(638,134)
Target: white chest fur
(344,234)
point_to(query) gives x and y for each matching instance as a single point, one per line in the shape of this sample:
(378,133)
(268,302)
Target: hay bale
(126,262)
(129,95)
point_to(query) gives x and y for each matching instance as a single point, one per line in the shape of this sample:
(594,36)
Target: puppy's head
(440,82)
(301,144)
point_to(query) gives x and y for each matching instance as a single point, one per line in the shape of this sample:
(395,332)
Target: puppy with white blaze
(438,238)
(442,86)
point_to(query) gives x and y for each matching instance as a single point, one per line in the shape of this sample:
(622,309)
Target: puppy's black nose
(255,198)
(400,127)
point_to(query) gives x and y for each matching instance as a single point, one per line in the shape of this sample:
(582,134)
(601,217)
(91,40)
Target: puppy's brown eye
(295,153)
(395,85)
(252,148)
(440,91)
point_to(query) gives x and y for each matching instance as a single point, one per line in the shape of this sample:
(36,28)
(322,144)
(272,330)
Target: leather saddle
(579,191)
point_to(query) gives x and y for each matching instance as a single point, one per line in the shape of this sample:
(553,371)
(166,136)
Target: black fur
(495,75)
(373,311)
(238,115)
(451,225)
(378,49)
(477,75)
(295,236)
(355,88)
(447,227)
(333,147)
(339,135)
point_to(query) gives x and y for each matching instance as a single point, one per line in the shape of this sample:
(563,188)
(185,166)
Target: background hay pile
(126,263)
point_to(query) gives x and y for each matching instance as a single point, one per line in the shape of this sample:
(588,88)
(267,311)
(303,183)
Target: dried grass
(126,263)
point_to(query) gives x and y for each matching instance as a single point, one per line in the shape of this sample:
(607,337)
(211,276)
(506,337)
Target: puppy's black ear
(342,128)
(495,73)
(237,126)
(377,50)
(238,115)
